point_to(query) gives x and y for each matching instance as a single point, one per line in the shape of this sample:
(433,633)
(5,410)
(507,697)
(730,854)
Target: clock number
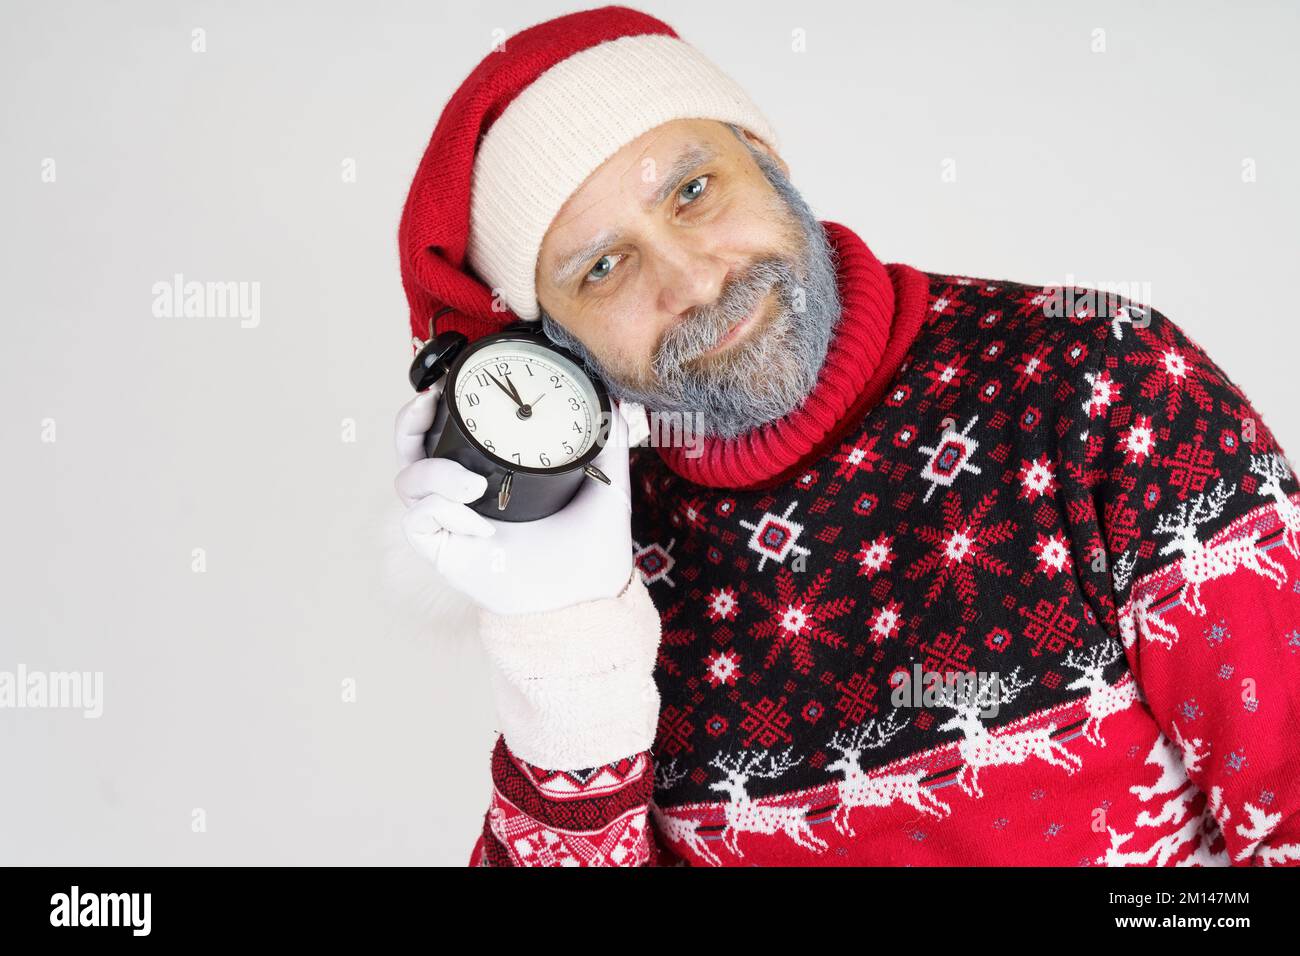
(472,399)
(528,367)
(577,428)
(556,380)
(469,423)
(568,449)
(544,460)
(489,446)
(515,456)
(482,380)
(503,368)
(573,403)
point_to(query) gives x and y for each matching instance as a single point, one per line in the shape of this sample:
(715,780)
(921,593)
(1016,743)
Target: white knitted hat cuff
(563,126)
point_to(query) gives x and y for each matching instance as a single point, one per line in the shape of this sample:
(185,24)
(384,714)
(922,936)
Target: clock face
(527,404)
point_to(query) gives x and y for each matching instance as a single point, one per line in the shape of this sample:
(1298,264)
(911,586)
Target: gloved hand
(581,553)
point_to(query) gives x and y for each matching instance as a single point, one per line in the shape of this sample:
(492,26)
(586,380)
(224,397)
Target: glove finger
(431,545)
(434,511)
(414,419)
(440,476)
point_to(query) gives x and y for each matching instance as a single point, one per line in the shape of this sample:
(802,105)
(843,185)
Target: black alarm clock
(518,410)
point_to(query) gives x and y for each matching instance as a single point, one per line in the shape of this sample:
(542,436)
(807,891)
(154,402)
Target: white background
(222,690)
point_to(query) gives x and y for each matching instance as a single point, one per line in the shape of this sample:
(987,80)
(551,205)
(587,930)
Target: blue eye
(593,277)
(697,179)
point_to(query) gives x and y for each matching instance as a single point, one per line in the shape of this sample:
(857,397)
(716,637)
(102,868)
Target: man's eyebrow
(688,160)
(696,154)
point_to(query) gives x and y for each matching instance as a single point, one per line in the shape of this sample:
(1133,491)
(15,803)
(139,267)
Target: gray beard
(770,372)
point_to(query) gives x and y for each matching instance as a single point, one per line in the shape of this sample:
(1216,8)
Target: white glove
(581,553)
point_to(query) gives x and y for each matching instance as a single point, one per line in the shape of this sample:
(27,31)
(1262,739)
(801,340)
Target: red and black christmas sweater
(1055,491)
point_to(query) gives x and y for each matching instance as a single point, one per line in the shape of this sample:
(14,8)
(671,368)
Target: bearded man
(742,650)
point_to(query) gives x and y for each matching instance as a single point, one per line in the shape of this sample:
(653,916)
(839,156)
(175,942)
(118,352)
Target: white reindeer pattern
(1201,563)
(746,815)
(980,749)
(1135,617)
(679,829)
(1274,470)
(1103,699)
(859,789)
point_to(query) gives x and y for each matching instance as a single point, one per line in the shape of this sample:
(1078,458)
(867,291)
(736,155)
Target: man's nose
(690,277)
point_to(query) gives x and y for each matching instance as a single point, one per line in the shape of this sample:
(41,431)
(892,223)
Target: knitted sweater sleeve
(572,772)
(1197,521)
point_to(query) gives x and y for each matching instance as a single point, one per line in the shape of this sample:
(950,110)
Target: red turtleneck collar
(883,306)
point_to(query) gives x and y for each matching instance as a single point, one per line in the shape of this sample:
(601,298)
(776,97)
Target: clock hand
(537,399)
(510,393)
(514,390)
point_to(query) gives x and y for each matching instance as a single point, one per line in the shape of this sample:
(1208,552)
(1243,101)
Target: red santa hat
(525,129)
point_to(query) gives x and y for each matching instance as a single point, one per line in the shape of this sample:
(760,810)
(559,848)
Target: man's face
(692,278)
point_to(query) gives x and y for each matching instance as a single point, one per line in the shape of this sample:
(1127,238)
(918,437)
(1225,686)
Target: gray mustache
(706,326)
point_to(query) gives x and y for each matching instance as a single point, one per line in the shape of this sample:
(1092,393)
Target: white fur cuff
(574,687)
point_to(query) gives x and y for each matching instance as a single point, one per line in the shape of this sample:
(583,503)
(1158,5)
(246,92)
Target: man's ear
(757,143)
